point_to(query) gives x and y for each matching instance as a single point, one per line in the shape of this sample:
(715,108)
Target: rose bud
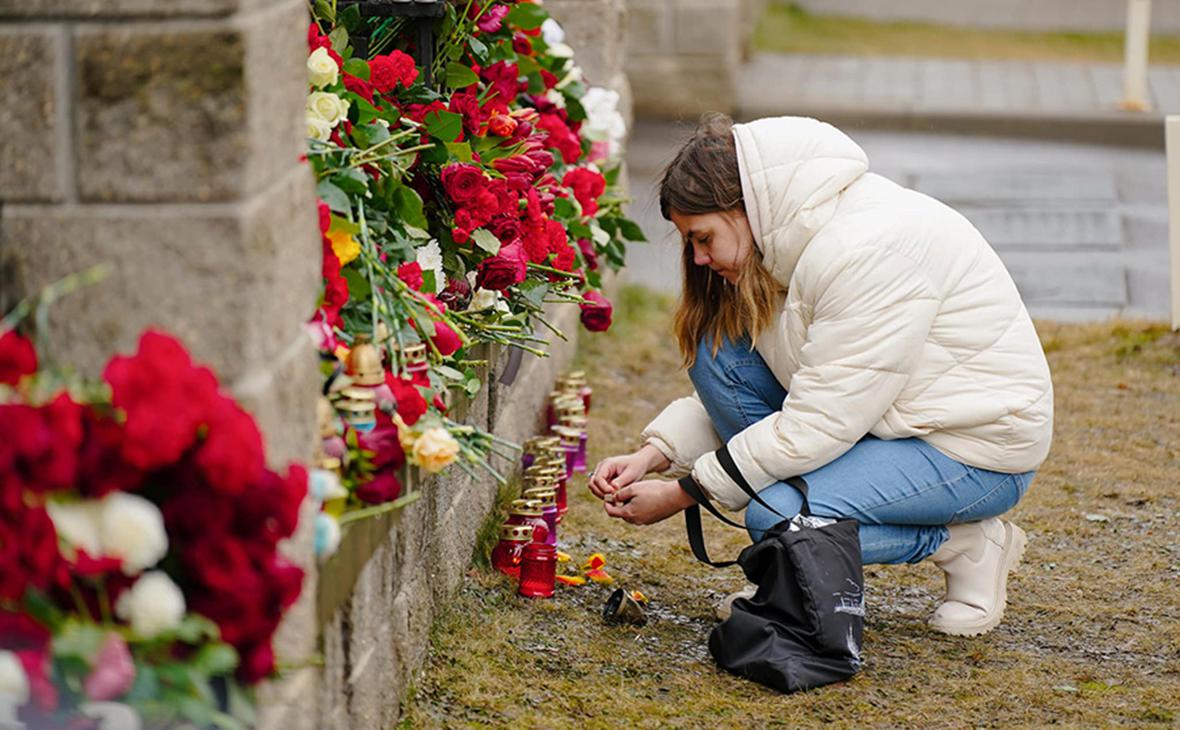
(502,125)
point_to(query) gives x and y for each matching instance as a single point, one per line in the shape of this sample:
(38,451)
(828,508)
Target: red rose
(587,186)
(257,663)
(325,216)
(589,253)
(467,106)
(463,182)
(270,509)
(521,44)
(359,86)
(504,80)
(18,358)
(388,71)
(492,19)
(457,294)
(549,79)
(502,125)
(384,446)
(565,259)
(410,403)
(231,457)
(542,160)
(164,397)
(445,339)
(517,163)
(596,312)
(29,640)
(192,513)
(383,487)
(561,137)
(506,268)
(101,467)
(411,273)
(505,228)
(335,286)
(29,556)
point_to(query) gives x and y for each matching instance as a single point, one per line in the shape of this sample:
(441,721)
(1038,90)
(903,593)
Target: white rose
(552,32)
(484,299)
(317,128)
(132,528)
(327,536)
(574,76)
(327,106)
(555,97)
(322,69)
(14,685)
(430,257)
(77,524)
(560,50)
(153,605)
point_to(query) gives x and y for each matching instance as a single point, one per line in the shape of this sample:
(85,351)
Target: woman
(842,328)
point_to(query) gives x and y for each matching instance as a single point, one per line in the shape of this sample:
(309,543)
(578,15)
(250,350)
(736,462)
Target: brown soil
(1091,636)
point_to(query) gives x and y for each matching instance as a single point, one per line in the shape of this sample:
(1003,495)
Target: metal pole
(1135,96)
(1172,126)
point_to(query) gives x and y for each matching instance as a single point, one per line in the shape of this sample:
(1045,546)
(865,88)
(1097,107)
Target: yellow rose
(344,246)
(327,106)
(321,69)
(435,449)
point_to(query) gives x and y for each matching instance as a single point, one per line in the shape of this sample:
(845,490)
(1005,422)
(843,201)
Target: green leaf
(472,387)
(414,232)
(564,208)
(534,290)
(485,240)
(448,372)
(612,175)
(352,181)
(574,108)
(630,230)
(527,66)
(356,66)
(350,18)
(78,640)
(333,196)
(444,126)
(325,10)
(527,16)
(344,226)
(461,150)
(147,684)
(478,49)
(429,283)
(358,286)
(195,628)
(214,659)
(408,206)
(460,76)
(339,39)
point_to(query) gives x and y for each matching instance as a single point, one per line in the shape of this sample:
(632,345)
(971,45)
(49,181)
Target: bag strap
(692,515)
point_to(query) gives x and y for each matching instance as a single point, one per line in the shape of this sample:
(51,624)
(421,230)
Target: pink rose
(113,673)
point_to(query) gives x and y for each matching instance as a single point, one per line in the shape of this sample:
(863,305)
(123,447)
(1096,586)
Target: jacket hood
(793,170)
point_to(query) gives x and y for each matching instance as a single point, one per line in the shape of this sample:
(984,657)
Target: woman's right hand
(616,472)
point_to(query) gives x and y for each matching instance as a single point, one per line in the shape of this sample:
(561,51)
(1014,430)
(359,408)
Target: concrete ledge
(1110,128)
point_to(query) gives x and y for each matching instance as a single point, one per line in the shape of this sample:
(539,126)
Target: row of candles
(528,538)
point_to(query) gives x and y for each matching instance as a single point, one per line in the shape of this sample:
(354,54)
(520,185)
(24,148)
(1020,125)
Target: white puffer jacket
(899,321)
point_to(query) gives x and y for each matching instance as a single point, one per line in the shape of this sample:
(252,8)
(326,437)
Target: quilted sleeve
(682,432)
(871,319)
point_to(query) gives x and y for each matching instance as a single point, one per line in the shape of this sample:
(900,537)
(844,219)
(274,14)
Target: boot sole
(1015,542)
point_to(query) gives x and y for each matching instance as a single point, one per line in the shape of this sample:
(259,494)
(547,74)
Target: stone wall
(162,138)
(683,56)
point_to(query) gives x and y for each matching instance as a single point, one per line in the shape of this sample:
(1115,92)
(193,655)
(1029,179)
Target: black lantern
(421,15)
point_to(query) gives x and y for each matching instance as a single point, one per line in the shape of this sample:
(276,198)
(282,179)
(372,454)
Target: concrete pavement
(1083,229)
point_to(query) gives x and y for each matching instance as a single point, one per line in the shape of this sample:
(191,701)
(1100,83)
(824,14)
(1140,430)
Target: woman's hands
(617,472)
(644,503)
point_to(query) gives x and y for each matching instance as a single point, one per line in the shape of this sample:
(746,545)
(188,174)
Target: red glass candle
(548,498)
(506,556)
(538,570)
(529,512)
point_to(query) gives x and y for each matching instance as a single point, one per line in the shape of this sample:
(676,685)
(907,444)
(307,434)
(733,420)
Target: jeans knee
(706,367)
(759,520)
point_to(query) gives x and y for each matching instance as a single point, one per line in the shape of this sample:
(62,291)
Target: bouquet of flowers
(452,212)
(139,570)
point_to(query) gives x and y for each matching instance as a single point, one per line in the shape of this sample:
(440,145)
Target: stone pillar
(683,55)
(594,29)
(163,138)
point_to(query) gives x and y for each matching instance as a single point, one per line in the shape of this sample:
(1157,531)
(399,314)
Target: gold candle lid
(364,362)
(526,507)
(540,481)
(546,495)
(330,463)
(516,533)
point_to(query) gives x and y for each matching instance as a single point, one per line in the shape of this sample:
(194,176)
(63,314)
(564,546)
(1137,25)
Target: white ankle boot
(976,559)
(725,608)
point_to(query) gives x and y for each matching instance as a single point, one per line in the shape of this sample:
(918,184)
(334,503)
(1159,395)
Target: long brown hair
(704,178)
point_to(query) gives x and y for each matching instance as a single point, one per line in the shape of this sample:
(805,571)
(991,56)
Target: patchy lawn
(1091,636)
(787,28)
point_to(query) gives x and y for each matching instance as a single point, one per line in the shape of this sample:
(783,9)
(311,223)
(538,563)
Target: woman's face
(722,241)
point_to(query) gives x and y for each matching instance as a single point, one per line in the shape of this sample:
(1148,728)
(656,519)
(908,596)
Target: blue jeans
(902,492)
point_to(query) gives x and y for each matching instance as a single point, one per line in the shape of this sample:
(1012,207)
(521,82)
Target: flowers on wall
(456,202)
(138,542)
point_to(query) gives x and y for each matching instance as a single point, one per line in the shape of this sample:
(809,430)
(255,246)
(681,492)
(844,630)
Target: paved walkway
(1061,100)
(1083,229)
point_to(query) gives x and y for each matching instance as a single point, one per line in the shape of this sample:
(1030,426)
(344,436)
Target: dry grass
(786,28)
(1091,638)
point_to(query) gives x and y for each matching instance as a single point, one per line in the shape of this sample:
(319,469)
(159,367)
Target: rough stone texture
(29,106)
(591,28)
(232,281)
(683,56)
(85,9)
(192,112)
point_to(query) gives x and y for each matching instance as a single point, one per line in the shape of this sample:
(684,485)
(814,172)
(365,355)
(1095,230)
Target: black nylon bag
(804,626)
